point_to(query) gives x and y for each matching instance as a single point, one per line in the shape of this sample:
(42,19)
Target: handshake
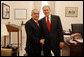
(42,41)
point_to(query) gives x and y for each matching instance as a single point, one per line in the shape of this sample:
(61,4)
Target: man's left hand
(61,44)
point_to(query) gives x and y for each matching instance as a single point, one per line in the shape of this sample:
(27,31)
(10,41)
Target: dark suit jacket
(33,37)
(55,36)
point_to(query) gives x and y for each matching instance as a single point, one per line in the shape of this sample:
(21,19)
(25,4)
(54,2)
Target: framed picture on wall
(20,14)
(71,11)
(5,11)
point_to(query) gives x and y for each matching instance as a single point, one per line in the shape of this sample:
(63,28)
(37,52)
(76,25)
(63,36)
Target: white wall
(59,10)
(29,5)
(67,21)
(18,5)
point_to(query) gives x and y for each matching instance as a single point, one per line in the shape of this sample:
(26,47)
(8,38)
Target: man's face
(35,14)
(46,11)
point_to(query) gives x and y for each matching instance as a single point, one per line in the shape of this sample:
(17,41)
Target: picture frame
(71,11)
(5,11)
(20,14)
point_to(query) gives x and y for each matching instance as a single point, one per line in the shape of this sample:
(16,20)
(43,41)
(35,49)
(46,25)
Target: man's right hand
(42,41)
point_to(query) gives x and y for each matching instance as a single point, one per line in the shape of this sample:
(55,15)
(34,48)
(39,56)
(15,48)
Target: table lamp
(4,32)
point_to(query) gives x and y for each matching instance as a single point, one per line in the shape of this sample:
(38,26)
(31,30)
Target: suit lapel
(34,25)
(52,22)
(44,23)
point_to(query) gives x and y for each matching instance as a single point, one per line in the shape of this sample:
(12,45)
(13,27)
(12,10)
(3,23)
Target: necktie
(48,24)
(37,23)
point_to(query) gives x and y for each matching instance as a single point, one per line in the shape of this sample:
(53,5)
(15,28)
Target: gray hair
(33,11)
(46,6)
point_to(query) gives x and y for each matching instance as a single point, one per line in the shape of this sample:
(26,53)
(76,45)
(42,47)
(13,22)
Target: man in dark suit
(52,32)
(34,41)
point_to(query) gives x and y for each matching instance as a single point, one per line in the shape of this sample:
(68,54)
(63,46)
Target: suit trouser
(33,53)
(47,51)
(56,52)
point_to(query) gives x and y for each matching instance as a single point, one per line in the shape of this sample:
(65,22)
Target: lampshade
(4,31)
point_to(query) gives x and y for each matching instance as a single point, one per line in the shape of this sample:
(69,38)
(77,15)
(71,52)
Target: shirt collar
(34,20)
(49,16)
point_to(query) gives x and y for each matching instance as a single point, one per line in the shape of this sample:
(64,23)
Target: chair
(77,28)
